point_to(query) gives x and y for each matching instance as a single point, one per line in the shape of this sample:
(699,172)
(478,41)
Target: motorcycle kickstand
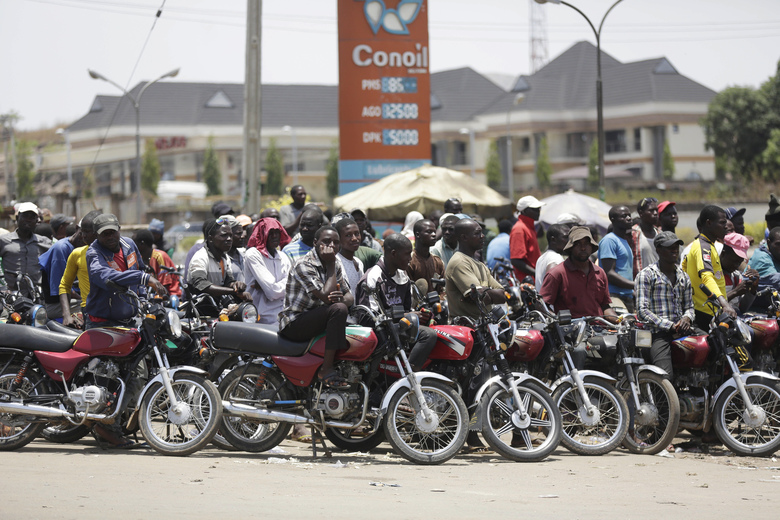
(316,435)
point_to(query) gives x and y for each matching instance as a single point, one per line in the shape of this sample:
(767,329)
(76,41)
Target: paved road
(82,481)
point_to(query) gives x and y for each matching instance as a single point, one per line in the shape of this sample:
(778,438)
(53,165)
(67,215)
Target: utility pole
(252,159)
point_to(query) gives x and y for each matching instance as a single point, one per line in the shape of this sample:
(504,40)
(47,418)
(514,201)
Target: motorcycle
(621,351)
(422,415)
(595,415)
(743,407)
(764,346)
(105,375)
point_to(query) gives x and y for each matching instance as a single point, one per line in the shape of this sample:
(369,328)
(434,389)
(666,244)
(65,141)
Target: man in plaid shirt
(664,299)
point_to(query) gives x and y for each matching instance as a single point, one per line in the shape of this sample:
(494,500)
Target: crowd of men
(303,268)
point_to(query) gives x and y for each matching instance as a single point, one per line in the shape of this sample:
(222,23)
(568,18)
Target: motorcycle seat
(31,338)
(256,338)
(56,326)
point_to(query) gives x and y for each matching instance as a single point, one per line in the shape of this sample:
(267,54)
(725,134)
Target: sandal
(333,380)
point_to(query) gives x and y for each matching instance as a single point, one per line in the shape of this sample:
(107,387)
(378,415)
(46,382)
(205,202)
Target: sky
(46,46)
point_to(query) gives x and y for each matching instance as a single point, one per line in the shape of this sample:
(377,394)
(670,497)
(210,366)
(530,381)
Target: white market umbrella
(590,211)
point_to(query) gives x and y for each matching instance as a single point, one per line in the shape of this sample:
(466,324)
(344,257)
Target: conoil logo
(394,21)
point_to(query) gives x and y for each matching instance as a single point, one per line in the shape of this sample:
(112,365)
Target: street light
(510,179)
(599,103)
(470,132)
(65,133)
(137,106)
(288,128)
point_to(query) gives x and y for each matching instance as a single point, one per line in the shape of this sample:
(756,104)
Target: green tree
(771,156)
(25,169)
(332,169)
(593,165)
(493,167)
(543,166)
(274,170)
(150,167)
(211,173)
(668,162)
(736,128)
(88,183)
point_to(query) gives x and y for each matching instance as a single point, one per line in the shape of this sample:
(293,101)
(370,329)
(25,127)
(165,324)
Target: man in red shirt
(523,244)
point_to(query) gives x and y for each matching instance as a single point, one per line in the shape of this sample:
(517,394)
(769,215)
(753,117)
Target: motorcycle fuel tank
(690,351)
(765,334)
(526,345)
(361,342)
(109,341)
(453,342)
(299,370)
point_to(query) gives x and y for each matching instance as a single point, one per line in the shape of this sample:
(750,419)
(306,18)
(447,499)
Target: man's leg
(661,352)
(422,349)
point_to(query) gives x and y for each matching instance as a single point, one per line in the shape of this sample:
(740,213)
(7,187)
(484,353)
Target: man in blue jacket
(113,258)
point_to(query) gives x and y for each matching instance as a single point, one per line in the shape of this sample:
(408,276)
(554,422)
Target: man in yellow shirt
(703,265)
(77,268)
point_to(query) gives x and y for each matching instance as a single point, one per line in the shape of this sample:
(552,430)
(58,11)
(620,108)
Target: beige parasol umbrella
(423,189)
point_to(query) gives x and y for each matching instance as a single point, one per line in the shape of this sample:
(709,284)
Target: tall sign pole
(384,90)
(252,159)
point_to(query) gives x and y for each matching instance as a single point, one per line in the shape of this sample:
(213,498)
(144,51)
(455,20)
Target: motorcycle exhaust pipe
(249,412)
(33,409)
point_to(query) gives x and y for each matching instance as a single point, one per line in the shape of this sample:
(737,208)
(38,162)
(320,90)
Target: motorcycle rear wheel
(362,439)
(733,431)
(64,433)
(15,431)
(177,434)
(402,428)
(524,443)
(247,434)
(658,393)
(611,428)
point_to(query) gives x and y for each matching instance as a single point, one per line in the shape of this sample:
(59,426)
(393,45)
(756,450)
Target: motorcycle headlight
(174,324)
(248,312)
(39,316)
(410,325)
(744,330)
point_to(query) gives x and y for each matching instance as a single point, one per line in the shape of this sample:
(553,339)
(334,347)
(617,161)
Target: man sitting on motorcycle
(664,299)
(395,288)
(210,269)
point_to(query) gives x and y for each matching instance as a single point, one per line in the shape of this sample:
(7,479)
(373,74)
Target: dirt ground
(83,481)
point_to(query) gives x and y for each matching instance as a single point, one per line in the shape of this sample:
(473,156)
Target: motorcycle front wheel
(654,431)
(422,441)
(186,427)
(15,430)
(246,434)
(595,434)
(528,439)
(745,435)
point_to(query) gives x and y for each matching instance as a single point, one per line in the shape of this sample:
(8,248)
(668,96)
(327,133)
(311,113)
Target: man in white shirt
(350,235)
(557,238)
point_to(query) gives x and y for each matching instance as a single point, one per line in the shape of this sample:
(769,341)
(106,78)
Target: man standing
(557,238)
(424,264)
(291,214)
(349,234)
(766,260)
(52,264)
(367,239)
(116,259)
(445,247)
(702,263)
(617,259)
(453,205)
(156,259)
(59,225)
(523,244)
(667,216)
(499,246)
(664,299)
(20,249)
(643,233)
(309,223)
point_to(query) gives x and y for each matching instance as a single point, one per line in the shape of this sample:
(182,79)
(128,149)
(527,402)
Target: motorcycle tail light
(16,317)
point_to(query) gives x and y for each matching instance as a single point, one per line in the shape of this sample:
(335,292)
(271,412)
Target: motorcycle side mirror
(397,312)
(432,297)
(564,317)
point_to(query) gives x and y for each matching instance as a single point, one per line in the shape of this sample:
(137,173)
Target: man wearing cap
(664,299)
(221,208)
(20,249)
(76,267)
(617,258)
(117,259)
(291,214)
(446,246)
(642,234)
(59,225)
(740,288)
(667,216)
(523,244)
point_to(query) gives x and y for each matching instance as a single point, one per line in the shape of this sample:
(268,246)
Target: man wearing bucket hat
(523,244)
(664,299)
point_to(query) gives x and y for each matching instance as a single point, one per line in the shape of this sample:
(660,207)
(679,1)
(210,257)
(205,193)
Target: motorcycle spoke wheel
(188,428)
(15,430)
(64,433)
(592,439)
(248,434)
(740,433)
(529,440)
(424,442)
(655,432)
(362,439)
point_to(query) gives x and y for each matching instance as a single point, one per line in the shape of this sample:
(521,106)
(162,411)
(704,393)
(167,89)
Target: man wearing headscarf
(266,268)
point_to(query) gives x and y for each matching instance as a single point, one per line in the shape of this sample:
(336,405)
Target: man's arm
(644,284)
(609,265)
(523,266)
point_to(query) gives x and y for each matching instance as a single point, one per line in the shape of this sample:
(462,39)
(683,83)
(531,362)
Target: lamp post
(470,132)
(137,105)
(66,134)
(510,178)
(288,128)
(599,102)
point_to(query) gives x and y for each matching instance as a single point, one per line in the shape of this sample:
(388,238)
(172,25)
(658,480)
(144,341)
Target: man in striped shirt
(664,299)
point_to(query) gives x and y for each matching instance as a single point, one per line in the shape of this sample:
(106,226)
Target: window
(459,155)
(615,141)
(577,144)
(675,129)
(219,100)
(637,139)
(525,145)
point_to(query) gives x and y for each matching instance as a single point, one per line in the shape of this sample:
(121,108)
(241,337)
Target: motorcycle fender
(652,368)
(747,376)
(519,377)
(172,373)
(404,383)
(585,375)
